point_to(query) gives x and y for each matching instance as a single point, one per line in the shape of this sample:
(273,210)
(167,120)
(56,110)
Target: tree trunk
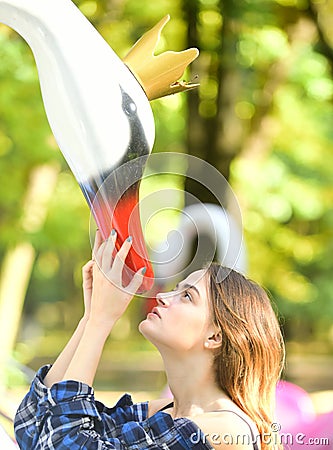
(214,131)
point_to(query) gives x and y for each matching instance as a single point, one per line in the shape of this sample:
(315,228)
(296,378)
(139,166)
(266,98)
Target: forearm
(84,363)
(58,369)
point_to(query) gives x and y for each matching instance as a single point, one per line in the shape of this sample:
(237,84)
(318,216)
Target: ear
(213,340)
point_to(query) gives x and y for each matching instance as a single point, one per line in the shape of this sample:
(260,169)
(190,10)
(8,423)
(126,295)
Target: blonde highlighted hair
(249,362)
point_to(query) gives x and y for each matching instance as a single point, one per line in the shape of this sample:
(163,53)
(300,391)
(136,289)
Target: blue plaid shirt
(67,416)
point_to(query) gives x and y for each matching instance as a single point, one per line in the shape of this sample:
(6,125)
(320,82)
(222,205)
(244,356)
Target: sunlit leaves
(299,4)
(89,8)
(311,71)
(289,191)
(262,46)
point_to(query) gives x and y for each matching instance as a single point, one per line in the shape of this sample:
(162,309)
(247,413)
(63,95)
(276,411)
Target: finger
(108,251)
(120,257)
(136,281)
(86,269)
(97,243)
(99,254)
(98,257)
(87,273)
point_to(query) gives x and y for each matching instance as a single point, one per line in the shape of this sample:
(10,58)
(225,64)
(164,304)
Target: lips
(155,311)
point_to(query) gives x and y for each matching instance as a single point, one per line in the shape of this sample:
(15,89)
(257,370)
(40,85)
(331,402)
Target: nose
(163,299)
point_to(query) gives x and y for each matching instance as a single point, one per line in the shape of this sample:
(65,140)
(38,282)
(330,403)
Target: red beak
(124,216)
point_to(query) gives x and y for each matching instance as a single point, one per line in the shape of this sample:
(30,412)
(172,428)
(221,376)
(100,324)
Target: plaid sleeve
(25,418)
(69,411)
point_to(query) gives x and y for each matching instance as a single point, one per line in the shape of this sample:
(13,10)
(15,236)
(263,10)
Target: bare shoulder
(225,430)
(156,405)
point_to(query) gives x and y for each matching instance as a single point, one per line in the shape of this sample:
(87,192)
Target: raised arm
(100,280)
(109,301)
(58,369)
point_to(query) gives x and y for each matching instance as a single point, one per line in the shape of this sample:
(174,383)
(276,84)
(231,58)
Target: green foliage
(285,181)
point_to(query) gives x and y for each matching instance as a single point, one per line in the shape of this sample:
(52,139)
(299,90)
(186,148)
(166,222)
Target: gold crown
(159,74)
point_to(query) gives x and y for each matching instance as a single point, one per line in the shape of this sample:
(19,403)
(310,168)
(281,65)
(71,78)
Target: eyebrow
(188,286)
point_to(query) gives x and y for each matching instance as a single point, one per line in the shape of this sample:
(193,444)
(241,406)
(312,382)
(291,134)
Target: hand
(109,298)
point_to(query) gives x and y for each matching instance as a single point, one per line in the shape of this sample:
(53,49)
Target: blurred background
(262,116)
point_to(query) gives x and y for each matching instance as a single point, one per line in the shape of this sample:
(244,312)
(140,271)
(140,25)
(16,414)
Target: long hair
(249,362)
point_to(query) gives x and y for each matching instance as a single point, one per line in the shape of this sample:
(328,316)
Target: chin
(143,328)
(147,332)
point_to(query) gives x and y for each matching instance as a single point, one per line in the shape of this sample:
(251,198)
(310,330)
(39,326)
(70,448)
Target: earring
(206,344)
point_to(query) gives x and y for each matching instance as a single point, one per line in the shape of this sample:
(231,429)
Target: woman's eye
(187,295)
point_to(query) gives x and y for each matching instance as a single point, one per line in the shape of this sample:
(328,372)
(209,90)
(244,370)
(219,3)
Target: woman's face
(181,321)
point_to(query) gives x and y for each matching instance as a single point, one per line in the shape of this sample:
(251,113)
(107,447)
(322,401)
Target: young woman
(223,353)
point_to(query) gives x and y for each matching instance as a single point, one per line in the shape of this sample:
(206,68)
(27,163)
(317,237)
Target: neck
(192,383)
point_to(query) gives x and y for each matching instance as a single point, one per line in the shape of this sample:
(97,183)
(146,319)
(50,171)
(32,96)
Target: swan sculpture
(98,107)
